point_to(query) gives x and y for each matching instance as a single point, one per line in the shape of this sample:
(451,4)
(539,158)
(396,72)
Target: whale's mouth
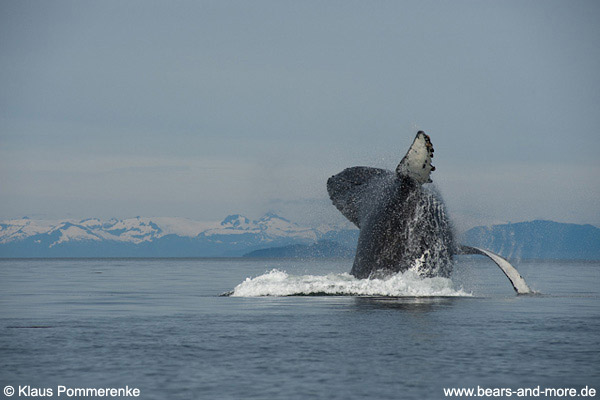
(401,284)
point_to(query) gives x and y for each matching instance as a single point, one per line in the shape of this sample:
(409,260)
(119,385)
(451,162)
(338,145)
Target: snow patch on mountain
(269,227)
(183,226)
(69,232)
(18,229)
(91,223)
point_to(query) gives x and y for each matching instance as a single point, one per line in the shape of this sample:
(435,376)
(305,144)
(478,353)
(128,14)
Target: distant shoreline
(256,259)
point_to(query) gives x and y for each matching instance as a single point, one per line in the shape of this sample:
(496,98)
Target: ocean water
(293,329)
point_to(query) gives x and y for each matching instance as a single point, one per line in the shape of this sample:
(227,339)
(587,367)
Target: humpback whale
(403,222)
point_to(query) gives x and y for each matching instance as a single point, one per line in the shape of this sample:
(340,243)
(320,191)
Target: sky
(201,109)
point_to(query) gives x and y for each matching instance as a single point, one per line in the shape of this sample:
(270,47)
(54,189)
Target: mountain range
(268,236)
(158,237)
(538,239)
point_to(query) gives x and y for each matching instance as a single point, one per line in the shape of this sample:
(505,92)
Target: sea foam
(402,284)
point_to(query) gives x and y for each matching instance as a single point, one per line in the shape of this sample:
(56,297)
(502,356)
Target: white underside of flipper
(511,272)
(416,164)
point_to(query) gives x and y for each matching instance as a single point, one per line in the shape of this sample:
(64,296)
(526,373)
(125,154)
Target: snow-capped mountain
(134,230)
(270,227)
(154,237)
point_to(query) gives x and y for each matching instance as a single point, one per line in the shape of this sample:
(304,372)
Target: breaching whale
(403,223)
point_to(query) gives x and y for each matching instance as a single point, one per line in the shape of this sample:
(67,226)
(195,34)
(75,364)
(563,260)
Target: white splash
(402,284)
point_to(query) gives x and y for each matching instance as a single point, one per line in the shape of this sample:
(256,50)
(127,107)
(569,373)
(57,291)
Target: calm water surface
(161,326)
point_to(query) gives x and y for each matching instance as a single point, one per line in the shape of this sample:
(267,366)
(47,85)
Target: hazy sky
(204,108)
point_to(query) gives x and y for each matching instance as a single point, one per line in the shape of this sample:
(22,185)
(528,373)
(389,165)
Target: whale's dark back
(402,223)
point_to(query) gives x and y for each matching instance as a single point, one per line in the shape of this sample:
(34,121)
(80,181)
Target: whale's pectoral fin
(347,190)
(416,164)
(511,272)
